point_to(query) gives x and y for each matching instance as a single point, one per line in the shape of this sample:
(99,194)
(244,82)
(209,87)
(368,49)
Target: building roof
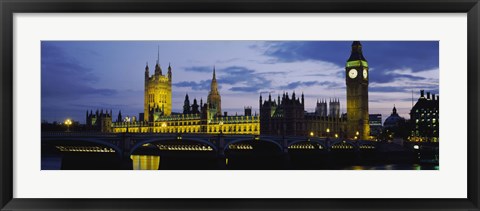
(394,119)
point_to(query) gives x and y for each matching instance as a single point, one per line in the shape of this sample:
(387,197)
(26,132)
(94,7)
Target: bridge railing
(77,134)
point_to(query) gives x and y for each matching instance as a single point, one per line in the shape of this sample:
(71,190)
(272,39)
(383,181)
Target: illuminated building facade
(329,126)
(321,124)
(203,118)
(284,116)
(424,118)
(193,123)
(214,101)
(287,117)
(158,93)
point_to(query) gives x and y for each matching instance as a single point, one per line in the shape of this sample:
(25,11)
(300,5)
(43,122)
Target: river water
(154,162)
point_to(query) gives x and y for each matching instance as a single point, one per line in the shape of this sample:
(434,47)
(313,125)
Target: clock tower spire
(357,94)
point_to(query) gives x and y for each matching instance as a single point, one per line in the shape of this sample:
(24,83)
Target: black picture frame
(10,7)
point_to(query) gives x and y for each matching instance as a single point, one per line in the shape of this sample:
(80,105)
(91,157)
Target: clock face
(365,73)
(352,73)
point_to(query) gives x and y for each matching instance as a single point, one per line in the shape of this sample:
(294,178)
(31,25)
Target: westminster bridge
(252,149)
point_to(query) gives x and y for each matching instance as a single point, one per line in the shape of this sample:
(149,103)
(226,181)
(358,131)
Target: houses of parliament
(283,116)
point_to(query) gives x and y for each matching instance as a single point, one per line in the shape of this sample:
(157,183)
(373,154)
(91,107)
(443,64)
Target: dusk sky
(89,75)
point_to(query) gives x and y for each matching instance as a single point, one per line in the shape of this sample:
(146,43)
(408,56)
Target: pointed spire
(356,53)
(214,77)
(303,99)
(158,54)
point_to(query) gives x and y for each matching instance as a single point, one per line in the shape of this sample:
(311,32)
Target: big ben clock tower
(357,94)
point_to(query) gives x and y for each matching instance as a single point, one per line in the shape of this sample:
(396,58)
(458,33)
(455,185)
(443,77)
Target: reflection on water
(395,167)
(152,162)
(51,163)
(145,162)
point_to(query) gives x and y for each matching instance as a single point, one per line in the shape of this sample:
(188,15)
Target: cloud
(387,89)
(238,78)
(382,55)
(390,76)
(194,85)
(245,89)
(296,84)
(272,73)
(62,77)
(200,69)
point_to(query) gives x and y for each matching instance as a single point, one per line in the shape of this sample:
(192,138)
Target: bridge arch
(158,139)
(250,139)
(55,141)
(339,143)
(313,142)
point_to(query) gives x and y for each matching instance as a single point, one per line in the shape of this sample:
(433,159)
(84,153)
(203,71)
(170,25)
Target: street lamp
(311,134)
(68,122)
(328,132)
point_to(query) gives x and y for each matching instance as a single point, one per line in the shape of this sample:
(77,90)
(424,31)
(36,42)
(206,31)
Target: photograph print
(240,105)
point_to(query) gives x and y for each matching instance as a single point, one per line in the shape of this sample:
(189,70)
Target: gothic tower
(195,107)
(214,101)
(321,108)
(357,94)
(146,105)
(158,92)
(334,106)
(186,105)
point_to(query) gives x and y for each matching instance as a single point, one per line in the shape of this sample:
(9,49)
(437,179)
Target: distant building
(203,118)
(248,111)
(186,105)
(287,117)
(424,118)
(375,121)
(395,126)
(284,116)
(99,121)
(321,108)
(394,120)
(334,107)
